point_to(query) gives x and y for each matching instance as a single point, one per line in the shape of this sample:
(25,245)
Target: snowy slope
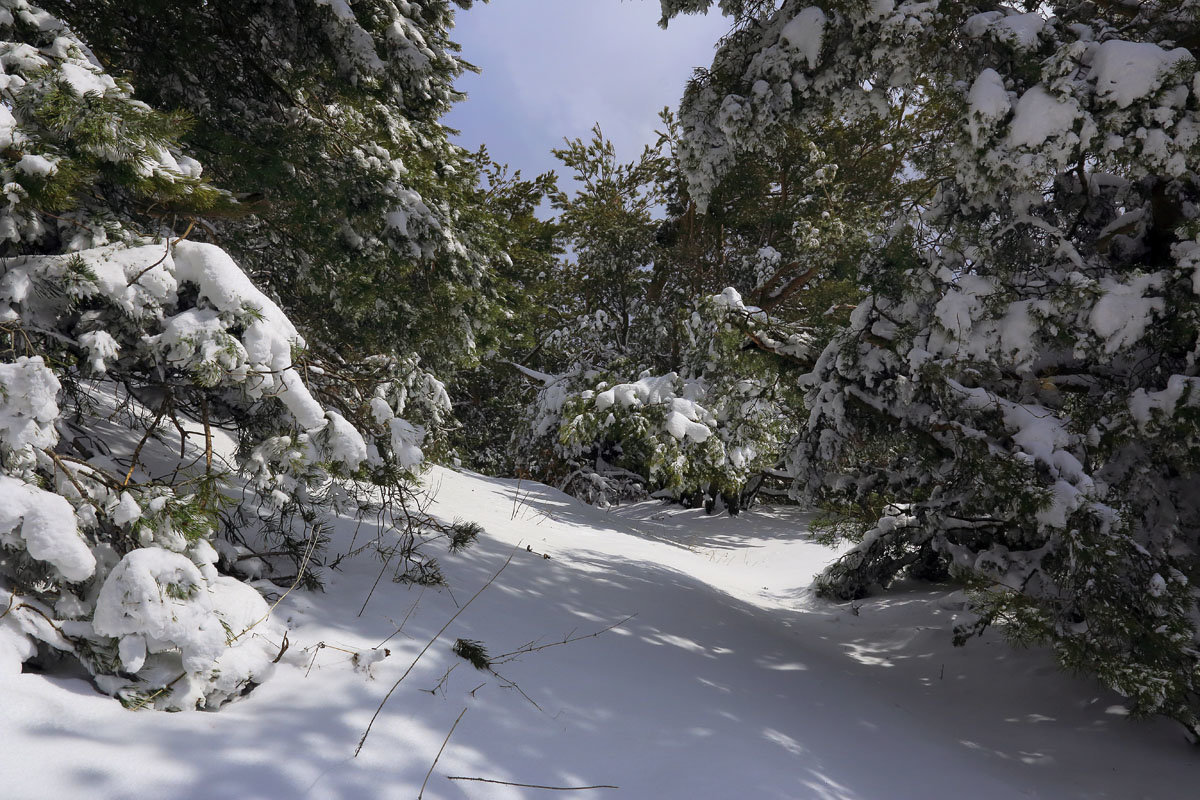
(730,682)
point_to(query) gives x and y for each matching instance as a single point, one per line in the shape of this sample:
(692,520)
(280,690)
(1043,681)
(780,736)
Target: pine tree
(491,398)
(648,382)
(323,117)
(1014,401)
(126,349)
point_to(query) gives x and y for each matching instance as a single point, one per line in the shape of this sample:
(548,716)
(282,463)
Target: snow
(1039,116)
(646,391)
(804,34)
(83,80)
(38,166)
(406,443)
(730,681)
(679,426)
(171,620)
(346,444)
(101,347)
(685,419)
(30,405)
(1123,312)
(127,510)
(1126,72)
(988,102)
(45,522)
(268,339)
(1143,405)
(1020,30)
(160,592)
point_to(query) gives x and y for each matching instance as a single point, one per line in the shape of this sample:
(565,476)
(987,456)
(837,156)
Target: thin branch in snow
(532,785)
(421,794)
(428,645)
(568,639)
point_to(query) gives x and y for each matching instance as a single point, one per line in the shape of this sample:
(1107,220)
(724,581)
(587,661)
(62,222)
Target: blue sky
(552,68)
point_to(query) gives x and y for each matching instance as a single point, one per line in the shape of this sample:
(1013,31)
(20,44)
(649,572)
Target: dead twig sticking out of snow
(474,653)
(304,561)
(442,681)
(568,639)
(403,622)
(508,683)
(421,793)
(532,785)
(428,645)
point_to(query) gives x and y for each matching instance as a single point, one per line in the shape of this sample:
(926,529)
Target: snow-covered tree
(127,351)
(704,433)
(653,379)
(1015,401)
(324,117)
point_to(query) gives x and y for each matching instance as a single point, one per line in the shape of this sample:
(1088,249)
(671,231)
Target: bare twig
(532,785)
(208,447)
(58,462)
(425,649)
(531,648)
(170,244)
(308,553)
(442,681)
(404,621)
(138,450)
(282,649)
(421,793)
(509,683)
(138,277)
(386,562)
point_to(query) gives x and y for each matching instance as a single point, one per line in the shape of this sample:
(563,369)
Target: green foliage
(357,211)
(472,652)
(126,341)
(995,400)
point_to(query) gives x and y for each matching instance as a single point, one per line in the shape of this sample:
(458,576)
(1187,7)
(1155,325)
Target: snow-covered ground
(730,682)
